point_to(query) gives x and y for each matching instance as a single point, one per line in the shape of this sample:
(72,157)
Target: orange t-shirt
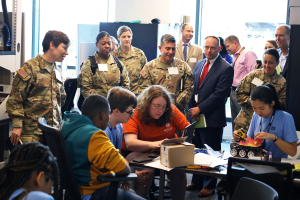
(152,132)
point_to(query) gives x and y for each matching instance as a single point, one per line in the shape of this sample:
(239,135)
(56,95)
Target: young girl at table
(270,123)
(31,173)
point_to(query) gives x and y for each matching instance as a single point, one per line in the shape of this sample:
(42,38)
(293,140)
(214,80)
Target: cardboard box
(175,152)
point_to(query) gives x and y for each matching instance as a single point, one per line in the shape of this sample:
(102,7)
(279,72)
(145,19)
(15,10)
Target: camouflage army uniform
(36,92)
(244,90)
(134,62)
(156,72)
(101,82)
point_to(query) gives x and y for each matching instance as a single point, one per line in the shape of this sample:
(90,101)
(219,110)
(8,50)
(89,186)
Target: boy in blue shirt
(122,103)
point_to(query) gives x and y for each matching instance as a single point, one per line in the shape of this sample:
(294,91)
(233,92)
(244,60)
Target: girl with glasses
(155,119)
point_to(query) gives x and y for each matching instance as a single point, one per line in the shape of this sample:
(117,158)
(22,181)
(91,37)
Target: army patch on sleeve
(16,81)
(143,73)
(22,73)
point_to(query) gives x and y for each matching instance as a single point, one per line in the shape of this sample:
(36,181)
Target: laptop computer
(189,132)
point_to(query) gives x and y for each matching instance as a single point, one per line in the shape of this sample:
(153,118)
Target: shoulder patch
(143,73)
(22,73)
(16,81)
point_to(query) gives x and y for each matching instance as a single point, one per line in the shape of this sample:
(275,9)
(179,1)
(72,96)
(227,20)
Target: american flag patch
(22,73)
(143,73)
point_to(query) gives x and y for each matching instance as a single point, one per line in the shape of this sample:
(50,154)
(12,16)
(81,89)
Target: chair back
(248,188)
(70,86)
(53,139)
(281,182)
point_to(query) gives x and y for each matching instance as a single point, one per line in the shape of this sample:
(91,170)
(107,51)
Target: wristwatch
(276,138)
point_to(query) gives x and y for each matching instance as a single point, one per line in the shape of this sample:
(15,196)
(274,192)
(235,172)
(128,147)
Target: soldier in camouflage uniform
(267,75)
(172,73)
(133,58)
(37,90)
(107,75)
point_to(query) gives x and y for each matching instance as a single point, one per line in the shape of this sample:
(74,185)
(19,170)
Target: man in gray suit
(187,52)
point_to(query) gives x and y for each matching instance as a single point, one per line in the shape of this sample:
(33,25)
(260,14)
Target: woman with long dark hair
(270,123)
(224,53)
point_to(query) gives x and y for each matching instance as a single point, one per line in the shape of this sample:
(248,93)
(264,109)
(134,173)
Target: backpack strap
(121,70)
(94,65)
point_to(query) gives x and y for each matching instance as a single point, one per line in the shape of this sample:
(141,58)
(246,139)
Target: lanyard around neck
(238,56)
(270,123)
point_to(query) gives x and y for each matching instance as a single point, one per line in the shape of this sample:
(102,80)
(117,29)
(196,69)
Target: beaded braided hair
(24,160)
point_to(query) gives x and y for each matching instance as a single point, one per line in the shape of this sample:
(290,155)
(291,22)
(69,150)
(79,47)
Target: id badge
(196,98)
(257,82)
(173,70)
(102,67)
(193,60)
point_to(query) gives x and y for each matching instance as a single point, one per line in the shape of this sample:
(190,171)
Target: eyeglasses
(129,112)
(159,107)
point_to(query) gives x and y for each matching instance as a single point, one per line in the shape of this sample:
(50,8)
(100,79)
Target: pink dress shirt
(244,64)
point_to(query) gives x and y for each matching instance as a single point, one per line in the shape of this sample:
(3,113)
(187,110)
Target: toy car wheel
(250,154)
(233,152)
(242,153)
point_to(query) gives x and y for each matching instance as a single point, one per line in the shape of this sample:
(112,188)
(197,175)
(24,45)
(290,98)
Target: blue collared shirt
(115,135)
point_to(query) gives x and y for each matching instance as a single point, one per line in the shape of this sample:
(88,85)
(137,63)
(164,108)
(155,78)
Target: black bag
(94,67)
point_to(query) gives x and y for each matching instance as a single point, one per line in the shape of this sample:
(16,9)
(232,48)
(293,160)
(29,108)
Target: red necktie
(204,72)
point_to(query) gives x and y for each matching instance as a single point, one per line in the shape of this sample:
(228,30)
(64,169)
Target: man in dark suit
(213,78)
(282,36)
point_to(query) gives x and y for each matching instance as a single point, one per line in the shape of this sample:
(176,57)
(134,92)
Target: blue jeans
(101,194)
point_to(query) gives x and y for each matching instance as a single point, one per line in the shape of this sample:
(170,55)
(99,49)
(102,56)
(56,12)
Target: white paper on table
(156,164)
(203,159)
(218,161)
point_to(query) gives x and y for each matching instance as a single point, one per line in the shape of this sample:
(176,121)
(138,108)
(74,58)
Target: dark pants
(235,107)
(213,138)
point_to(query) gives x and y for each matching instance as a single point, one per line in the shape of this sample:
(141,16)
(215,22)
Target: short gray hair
(114,40)
(123,29)
(167,38)
(287,28)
